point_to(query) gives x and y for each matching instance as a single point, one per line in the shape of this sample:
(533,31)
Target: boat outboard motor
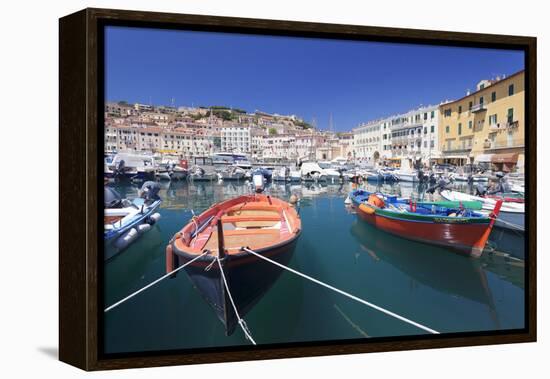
(111,198)
(480,190)
(431,178)
(119,168)
(441,185)
(149,191)
(258,182)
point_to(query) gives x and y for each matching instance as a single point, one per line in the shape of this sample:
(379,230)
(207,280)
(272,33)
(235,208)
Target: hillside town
(484,126)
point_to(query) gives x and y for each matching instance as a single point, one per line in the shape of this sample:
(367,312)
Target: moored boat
(512,212)
(460,229)
(125,220)
(232,173)
(264,224)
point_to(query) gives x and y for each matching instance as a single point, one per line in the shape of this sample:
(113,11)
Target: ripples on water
(440,289)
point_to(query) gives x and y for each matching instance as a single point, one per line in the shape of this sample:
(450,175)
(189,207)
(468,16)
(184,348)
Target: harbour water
(437,288)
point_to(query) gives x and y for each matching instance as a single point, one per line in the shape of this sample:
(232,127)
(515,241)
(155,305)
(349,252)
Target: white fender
(143,228)
(154,218)
(126,239)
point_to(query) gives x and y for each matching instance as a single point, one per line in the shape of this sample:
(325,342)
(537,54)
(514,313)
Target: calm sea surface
(437,288)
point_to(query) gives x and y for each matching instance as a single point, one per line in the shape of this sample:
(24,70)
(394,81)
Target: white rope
(344,293)
(242,323)
(153,283)
(515,227)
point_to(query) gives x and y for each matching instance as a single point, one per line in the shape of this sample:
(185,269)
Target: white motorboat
(406,173)
(312,172)
(131,166)
(512,213)
(125,220)
(232,173)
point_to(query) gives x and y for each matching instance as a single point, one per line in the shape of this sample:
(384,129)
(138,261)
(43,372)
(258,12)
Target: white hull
(488,203)
(406,177)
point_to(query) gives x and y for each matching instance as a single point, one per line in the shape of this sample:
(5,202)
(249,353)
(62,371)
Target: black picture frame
(81,105)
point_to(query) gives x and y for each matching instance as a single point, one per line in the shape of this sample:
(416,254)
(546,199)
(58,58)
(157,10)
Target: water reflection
(445,291)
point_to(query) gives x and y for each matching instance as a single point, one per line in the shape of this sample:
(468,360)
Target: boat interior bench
(234,239)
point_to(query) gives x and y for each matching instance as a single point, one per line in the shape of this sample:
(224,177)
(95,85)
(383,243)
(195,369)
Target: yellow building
(486,126)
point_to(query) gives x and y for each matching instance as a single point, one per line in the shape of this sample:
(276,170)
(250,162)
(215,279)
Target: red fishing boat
(266,225)
(459,229)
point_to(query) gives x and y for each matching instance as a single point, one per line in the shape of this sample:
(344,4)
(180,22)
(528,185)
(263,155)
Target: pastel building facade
(486,126)
(415,135)
(236,139)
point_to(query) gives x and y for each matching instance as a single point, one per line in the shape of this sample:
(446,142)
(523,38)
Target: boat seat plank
(243,218)
(235,239)
(253,207)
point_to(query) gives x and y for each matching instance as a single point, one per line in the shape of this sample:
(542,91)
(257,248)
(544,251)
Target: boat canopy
(505,158)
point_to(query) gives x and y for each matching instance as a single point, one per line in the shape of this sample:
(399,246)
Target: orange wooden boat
(266,225)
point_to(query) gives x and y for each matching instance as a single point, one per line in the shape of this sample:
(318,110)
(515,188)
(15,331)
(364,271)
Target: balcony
(502,145)
(505,125)
(478,108)
(455,149)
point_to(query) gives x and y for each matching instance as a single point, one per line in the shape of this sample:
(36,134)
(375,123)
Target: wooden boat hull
(248,278)
(266,225)
(465,237)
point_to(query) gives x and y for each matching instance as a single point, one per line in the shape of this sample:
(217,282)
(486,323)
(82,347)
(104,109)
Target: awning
(505,158)
(454,157)
(483,158)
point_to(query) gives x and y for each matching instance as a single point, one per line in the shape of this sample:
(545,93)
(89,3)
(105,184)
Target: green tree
(272,131)
(303,124)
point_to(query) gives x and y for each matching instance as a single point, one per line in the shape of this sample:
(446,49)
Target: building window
(432,143)
(481,86)
(493,96)
(425,143)
(432,129)
(510,90)
(459,128)
(459,109)
(470,124)
(447,112)
(493,119)
(481,100)
(432,115)
(447,129)
(470,105)
(425,130)
(510,115)
(425,116)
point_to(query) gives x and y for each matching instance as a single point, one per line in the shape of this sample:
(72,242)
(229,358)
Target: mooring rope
(514,227)
(153,283)
(242,323)
(420,326)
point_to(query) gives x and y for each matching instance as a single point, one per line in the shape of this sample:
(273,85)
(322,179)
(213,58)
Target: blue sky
(354,81)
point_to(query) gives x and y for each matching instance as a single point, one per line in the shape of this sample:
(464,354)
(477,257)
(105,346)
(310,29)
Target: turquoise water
(437,288)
